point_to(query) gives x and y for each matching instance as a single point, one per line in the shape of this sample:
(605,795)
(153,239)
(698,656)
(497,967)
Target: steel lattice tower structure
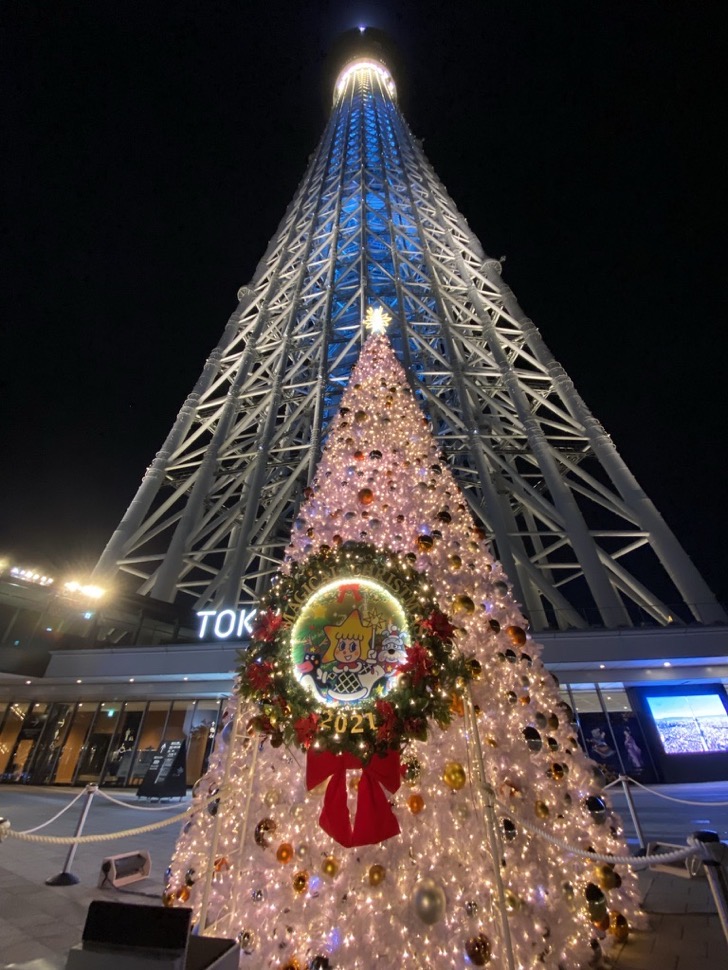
(371,224)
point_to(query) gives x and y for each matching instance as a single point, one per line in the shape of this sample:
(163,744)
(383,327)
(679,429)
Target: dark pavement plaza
(39,923)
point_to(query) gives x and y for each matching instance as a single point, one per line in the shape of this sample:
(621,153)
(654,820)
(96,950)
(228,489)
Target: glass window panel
(150,738)
(74,743)
(99,744)
(26,744)
(51,744)
(123,746)
(586,701)
(616,700)
(202,735)
(180,721)
(8,737)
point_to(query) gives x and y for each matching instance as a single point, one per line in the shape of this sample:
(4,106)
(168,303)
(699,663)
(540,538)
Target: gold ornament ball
(377,874)
(618,926)
(168,898)
(416,803)
(360,416)
(183,894)
(300,882)
(285,852)
(516,635)
(476,668)
(291,964)
(454,775)
(606,878)
(463,604)
(366,496)
(272,797)
(424,542)
(541,809)
(330,867)
(477,950)
(455,563)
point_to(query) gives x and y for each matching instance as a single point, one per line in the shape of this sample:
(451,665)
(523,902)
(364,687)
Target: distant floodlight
(84,589)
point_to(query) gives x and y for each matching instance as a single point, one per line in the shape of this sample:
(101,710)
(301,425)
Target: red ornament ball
(366,496)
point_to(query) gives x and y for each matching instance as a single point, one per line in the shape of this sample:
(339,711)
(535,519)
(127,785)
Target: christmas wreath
(351,654)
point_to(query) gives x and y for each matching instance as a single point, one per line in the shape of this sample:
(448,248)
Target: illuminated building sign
(223,624)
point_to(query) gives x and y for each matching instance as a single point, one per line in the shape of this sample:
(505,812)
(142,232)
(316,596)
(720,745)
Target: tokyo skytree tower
(372,225)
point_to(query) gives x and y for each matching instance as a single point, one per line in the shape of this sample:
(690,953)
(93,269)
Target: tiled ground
(39,923)
(684,933)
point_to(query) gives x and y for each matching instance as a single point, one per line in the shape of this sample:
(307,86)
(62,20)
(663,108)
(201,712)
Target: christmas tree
(395,742)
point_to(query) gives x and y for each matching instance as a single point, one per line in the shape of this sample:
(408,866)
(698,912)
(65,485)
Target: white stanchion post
(715,858)
(633,811)
(65,877)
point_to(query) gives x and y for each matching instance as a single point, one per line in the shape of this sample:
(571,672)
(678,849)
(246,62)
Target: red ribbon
(374,820)
(345,588)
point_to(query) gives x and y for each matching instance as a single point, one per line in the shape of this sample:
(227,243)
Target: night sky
(151,149)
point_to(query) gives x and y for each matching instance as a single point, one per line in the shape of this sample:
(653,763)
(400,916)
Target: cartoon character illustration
(392,651)
(350,669)
(309,670)
(634,752)
(598,744)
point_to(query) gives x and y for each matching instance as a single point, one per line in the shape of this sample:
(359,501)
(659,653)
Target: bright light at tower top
(356,68)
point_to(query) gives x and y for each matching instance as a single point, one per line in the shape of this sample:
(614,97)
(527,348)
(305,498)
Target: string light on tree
(350,814)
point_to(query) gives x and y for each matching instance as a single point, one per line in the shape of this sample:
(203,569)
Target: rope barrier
(633,862)
(7,831)
(57,815)
(138,808)
(83,839)
(671,798)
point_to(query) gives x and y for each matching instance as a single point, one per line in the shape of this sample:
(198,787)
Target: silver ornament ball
(429,901)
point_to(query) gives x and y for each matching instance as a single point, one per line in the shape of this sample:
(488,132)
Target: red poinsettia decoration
(267,626)
(387,715)
(416,727)
(438,625)
(260,675)
(305,728)
(418,664)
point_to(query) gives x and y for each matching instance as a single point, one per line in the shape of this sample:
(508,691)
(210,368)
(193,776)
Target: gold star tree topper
(377,320)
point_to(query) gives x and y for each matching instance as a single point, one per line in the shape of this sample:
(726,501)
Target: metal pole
(65,877)
(633,811)
(715,855)
(487,801)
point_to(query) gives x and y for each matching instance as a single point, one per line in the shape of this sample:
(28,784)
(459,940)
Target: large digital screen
(690,723)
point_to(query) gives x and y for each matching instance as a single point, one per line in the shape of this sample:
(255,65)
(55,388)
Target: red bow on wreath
(374,820)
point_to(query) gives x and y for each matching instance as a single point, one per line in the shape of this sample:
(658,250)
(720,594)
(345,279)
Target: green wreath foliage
(427,690)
